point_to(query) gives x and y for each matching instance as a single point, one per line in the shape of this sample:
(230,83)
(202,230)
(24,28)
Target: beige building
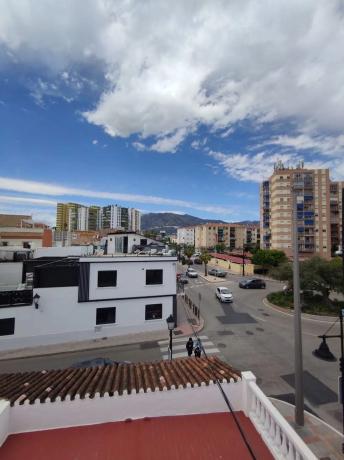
(233,236)
(318,201)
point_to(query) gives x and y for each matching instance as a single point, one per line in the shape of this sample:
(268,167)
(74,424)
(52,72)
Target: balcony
(18,298)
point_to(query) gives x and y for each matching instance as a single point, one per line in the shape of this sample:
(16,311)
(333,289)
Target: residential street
(247,334)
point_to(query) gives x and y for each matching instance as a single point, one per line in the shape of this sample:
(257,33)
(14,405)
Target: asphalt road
(252,336)
(249,335)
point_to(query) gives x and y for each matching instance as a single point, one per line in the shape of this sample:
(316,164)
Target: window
(7,326)
(153,311)
(56,275)
(106,315)
(107,278)
(154,277)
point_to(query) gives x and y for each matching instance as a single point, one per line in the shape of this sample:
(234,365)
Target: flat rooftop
(190,437)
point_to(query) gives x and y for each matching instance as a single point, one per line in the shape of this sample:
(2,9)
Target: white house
(87,298)
(126,242)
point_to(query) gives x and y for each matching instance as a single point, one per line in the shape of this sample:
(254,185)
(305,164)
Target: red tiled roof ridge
(113,380)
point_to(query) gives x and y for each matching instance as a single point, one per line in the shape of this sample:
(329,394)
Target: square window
(153,311)
(7,326)
(107,278)
(154,277)
(106,315)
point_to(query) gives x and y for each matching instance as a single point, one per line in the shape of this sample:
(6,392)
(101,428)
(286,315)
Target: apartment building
(233,236)
(186,235)
(76,217)
(208,235)
(319,207)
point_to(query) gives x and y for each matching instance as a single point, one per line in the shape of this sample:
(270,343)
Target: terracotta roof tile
(115,379)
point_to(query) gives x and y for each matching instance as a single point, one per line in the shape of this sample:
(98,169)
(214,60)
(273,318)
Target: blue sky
(181,108)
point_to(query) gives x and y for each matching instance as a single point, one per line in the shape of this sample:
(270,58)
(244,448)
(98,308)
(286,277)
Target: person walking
(197,352)
(189,346)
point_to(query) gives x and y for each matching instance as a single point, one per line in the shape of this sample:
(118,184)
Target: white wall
(61,318)
(199,400)
(4,420)
(63,251)
(131,277)
(10,273)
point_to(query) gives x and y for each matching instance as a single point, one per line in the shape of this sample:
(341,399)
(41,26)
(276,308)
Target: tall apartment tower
(94,218)
(67,216)
(134,220)
(319,207)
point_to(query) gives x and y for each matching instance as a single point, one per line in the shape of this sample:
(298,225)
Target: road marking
(181,339)
(177,345)
(182,346)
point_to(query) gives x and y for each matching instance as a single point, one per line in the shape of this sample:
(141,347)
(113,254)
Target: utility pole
(243,257)
(299,402)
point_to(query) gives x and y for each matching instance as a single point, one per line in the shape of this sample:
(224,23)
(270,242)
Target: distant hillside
(169,222)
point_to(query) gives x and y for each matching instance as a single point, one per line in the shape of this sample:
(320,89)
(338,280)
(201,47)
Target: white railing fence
(282,440)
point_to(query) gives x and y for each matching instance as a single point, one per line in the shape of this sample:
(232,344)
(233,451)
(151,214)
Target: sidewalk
(324,441)
(183,329)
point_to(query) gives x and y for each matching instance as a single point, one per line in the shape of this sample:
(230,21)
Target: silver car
(224,294)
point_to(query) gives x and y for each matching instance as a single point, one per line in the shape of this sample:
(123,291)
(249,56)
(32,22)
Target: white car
(224,294)
(191,273)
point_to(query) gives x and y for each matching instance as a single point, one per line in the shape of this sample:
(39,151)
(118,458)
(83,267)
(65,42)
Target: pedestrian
(189,346)
(198,343)
(197,352)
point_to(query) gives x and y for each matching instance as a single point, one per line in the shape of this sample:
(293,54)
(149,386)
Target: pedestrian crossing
(179,346)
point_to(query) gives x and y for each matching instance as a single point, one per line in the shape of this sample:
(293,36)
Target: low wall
(234,267)
(60,414)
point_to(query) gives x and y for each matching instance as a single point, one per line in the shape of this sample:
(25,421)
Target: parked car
(217,272)
(183,280)
(97,362)
(191,273)
(224,294)
(253,283)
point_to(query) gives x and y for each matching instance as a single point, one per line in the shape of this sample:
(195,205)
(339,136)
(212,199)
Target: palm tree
(188,251)
(205,258)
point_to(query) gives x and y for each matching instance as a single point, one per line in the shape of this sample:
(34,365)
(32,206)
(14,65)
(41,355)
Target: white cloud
(23,200)
(169,143)
(94,142)
(139,146)
(326,145)
(41,188)
(173,66)
(254,168)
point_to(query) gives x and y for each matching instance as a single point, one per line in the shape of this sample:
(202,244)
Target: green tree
(283,272)
(220,247)
(205,258)
(268,258)
(321,275)
(188,251)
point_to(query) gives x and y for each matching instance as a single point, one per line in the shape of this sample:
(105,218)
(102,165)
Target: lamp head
(323,352)
(170,323)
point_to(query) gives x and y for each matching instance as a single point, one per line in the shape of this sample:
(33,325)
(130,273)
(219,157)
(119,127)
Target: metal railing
(16,298)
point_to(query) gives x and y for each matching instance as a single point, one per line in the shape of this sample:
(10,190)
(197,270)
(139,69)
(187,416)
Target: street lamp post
(299,402)
(243,257)
(323,352)
(171,325)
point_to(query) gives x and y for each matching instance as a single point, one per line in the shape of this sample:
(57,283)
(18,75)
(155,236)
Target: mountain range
(169,221)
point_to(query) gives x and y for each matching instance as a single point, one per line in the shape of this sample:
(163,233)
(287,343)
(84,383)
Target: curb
(286,311)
